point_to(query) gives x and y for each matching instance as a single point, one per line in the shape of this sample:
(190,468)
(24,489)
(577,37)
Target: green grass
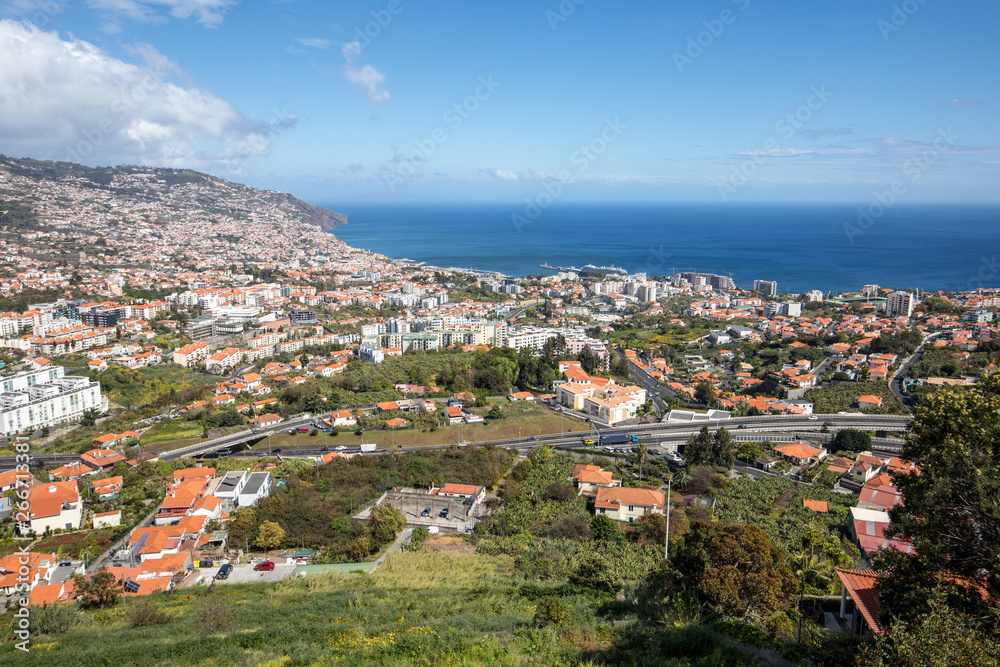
(420,608)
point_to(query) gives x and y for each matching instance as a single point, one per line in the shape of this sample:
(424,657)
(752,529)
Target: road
(654,388)
(647,433)
(899,377)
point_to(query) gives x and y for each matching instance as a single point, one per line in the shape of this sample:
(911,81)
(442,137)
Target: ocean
(829,247)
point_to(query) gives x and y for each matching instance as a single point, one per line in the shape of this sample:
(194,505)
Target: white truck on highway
(367,447)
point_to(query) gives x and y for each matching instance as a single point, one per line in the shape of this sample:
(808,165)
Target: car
(741,426)
(265,566)
(276,450)
(225,451)
(304,429)
(341,448)
(66,563)
(443,513)
(224,571)
(426,512)
(813,418)
(467,502)
(532,438)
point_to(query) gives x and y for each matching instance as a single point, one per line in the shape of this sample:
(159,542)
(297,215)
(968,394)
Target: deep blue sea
(801,246)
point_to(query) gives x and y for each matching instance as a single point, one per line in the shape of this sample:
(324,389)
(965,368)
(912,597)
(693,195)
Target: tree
(698,450)
(89,417)
(940,638)
(387,521)
(852,440)
(735,569)
(270,535)
(642,451)
(588,361)
(951,513)
(705,392)
(101,589)
(723,449)
(604,528)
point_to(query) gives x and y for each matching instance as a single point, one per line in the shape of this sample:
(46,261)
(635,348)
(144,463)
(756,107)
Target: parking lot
(460,516)
(245,574)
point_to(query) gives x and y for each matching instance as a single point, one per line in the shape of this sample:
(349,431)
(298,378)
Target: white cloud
(69,100)
(368,80)
(209,13)
(505,175)
(314,42)
(965,103)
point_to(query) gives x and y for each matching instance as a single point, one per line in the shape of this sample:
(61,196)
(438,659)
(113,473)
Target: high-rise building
(37,398)
(899,303)
(766,287)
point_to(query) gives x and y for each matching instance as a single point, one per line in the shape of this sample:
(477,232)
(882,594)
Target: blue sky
(398,100)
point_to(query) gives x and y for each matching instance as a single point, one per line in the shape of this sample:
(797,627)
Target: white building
(371,353)
(53,506)
(258,485)
(44,397)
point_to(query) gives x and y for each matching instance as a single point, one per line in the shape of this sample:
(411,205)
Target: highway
(647,433)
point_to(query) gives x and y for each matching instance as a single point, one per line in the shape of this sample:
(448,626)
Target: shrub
(55,619)
(558,491)
(143,613)
(572,527)
(551,611)
(216,618)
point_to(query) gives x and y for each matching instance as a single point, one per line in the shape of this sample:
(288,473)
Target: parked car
(304,429)
(224,571)
(66,563)
(813,417)
(426,512)
(443,513)
(266,565)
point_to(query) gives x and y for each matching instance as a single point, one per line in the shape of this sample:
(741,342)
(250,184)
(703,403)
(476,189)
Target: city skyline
(395,101)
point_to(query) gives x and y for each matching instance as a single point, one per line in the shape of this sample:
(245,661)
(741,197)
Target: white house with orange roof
(107,519)
(29,569)
(223,360)
(589,478)
(628,504)
(12,479)
(52,506)
(69,472)
(107,489)
(103,459)
(191,354)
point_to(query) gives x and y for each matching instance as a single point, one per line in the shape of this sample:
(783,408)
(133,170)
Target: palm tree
(642,450)
(682,477)
(808,567)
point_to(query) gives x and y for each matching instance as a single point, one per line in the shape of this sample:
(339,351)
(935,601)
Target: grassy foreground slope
(420,608)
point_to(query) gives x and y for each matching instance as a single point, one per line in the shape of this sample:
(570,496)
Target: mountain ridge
(104,178)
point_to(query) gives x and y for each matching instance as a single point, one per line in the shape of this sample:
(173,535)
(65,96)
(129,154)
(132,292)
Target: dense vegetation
(314,509)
